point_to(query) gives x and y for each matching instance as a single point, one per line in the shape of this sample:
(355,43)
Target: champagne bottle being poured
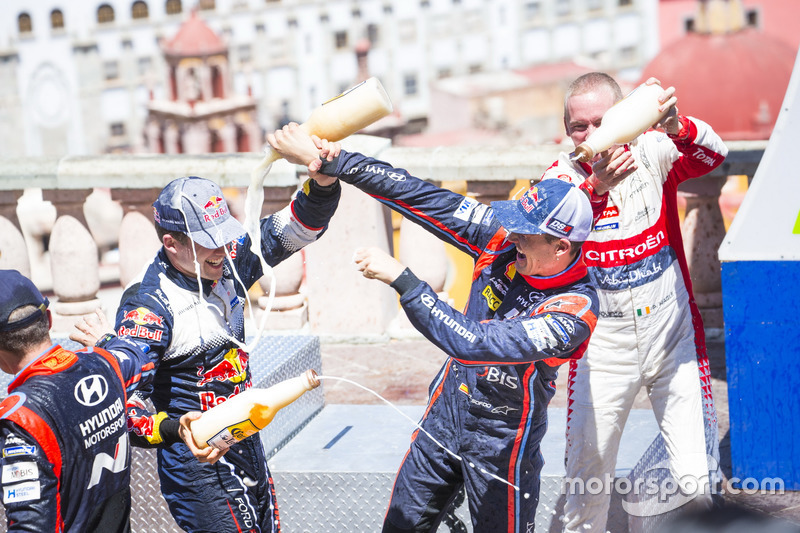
(248,412)
(623,122)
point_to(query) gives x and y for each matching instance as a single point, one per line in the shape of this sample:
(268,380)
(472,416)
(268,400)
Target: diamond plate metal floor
(337,473)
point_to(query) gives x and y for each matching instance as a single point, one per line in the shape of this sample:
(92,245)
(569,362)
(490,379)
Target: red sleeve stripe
(297,218)
(40,430)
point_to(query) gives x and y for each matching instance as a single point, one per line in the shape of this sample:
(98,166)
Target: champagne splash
(439,444)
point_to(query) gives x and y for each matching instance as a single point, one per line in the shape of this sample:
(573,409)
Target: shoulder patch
(16,451)
(22,492)
(21,471)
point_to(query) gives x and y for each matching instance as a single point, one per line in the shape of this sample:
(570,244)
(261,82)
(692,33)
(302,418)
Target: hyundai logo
(91,390)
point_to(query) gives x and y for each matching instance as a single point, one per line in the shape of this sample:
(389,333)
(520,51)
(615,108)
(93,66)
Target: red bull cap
(195,206)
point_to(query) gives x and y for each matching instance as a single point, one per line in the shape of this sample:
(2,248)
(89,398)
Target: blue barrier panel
(760,259)
(762,349)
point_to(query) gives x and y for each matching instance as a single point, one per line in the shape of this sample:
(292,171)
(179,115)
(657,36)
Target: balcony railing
(65,245)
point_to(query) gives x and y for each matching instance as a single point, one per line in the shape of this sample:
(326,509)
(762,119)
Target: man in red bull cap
(531,308)
(186,312)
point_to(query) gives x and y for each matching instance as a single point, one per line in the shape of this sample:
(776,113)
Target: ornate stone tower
(200,113)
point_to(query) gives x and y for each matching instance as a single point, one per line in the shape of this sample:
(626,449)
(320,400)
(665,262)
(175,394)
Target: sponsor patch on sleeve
(20,472)
(16,451)
(540,334)
(22,492)
(465,209)
(557,328)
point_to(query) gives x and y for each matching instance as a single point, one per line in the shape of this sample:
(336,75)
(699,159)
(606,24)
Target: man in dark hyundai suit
(531,308)
(63,429)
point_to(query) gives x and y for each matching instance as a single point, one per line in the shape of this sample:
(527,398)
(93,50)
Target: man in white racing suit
(649,331)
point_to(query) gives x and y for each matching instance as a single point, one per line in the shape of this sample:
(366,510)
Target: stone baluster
(425,255)
(138,242)
(73,258)
(13,251)
(703,230)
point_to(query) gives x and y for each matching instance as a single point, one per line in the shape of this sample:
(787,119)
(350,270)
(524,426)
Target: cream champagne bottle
(343,115)
(248,412)
(623,122)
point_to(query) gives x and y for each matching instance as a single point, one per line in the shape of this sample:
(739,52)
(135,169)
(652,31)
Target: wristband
(105,339)
(591,190)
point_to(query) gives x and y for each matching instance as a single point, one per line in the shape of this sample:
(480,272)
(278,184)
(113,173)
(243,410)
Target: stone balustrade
(319,289)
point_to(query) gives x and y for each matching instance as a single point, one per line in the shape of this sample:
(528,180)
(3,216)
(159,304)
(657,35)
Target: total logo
(91,390)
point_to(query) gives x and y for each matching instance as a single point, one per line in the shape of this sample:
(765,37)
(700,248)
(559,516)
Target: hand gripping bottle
(623,122)
(248,412)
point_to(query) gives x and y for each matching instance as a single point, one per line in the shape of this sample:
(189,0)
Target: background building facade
(78,75)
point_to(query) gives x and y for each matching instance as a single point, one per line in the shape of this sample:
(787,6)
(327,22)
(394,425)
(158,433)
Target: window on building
(340,37)
(105,14)
(24,23)
(424,4)
(273,1)
(56,19)
(444,72)
(594,5)
(387,9)
(261,29)
(410,84)
(127,44)
(356,13)
(372,33)
(323,19)
(145,65)
(207,5)
(563,7)
(139,10)
(174,7)
(111,70)
(752,18)
(475,68)
(245,54)
(689,25)
(117,129)
(533,10)
(292,22)
(625,2)
(627,53)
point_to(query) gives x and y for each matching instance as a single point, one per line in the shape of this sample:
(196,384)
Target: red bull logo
(143,317)
(525,201)
(213,202)
(233,368)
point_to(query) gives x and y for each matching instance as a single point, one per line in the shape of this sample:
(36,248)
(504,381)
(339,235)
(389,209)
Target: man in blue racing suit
(531,308)
(194,335)
(65,453)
